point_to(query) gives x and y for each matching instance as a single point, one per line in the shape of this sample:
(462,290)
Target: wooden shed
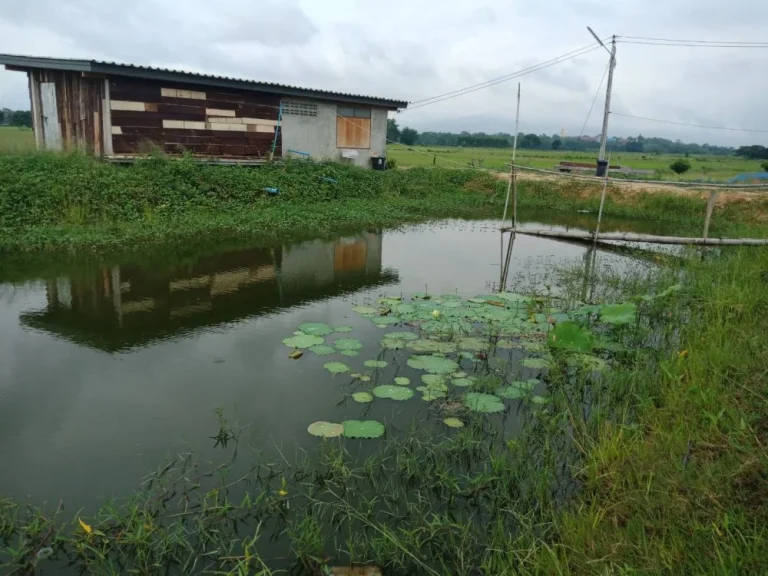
(122,111)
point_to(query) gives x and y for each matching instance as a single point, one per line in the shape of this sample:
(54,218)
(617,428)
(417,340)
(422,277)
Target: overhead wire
(688,124)
(597,93)
(692,44)
(703,42)
(474,88)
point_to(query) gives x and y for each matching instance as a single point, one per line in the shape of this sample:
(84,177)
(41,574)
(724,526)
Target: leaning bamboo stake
(710,207)
(631,237)
(512,184)
(602,198)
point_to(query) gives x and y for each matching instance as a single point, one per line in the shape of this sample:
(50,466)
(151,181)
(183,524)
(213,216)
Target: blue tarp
(747,176)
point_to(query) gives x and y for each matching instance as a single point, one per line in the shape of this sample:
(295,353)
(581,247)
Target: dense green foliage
(680,166)
(49,201)
(10,117)
(753,152)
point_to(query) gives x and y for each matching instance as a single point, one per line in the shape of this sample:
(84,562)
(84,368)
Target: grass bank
(656,465)
(50,202)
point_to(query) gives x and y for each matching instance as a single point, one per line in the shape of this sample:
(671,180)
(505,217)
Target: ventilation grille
(300,108)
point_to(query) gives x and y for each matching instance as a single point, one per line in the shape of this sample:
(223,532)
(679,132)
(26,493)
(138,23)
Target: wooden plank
(127,105)
(631,237)
(106,119)
(199,111)
(149,122)
(51,127)
(37,117)
(353,133)
(219,112)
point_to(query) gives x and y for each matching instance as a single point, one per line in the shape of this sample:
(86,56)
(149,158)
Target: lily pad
(392,392)
(429,394)
(347,344)
(459,375)
(453,423)
(402,381)
(486,403)
(473,344)
(304,341)
(296,354)
(362,397)
(539,399)
(350,353)
(365,310)
(393,344)
(363,428)
(433,364)
(618,314)
(530,346)
(432,346)
(336,367)
(315,328)
(420,296)
(342,329)
(463,382)
(517,389)
(384,321)
(322,349)
(325,429)
(507,344)
(298,333)
(401,336)
(570,336)
(434,381)
(375,364)
(587,362)
(535,363)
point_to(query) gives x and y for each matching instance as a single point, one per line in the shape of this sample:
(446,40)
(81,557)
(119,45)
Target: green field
(13,139)
(702,167)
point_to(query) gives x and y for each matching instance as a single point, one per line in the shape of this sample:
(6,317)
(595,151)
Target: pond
(109,369)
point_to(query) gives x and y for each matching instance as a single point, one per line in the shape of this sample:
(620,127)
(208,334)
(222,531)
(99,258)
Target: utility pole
(602,167)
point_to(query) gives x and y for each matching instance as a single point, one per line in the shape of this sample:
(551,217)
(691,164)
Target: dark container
(602,166)
(378,163)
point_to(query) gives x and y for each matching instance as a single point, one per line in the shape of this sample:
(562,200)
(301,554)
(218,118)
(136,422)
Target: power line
(678,41)
(597,93)
(487,84)
(693,45)
(692,125)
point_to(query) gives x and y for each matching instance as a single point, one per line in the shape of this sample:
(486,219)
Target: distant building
(122,110)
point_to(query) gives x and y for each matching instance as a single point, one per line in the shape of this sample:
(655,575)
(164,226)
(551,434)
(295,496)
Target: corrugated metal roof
(151,73)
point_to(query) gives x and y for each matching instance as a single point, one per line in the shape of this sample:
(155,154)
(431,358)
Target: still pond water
(107,371)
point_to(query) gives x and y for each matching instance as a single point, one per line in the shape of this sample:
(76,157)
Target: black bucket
(602,167)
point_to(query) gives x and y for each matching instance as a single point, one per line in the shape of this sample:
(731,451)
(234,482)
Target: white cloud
(412,50)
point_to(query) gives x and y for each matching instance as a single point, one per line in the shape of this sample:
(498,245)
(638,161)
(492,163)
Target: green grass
(658,466)
(14,140)
(51,201)
(702,167)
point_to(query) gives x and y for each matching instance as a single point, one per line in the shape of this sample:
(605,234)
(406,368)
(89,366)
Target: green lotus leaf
(570,336)
(375,364)
(486,403)
(434,381)
(322,349)
(325,429)
(365,310)
(384,321)
(433,364)
(429,394)
(473,344)
(342,329)
(363,429)
(315,328)
(402,381)
(347,344)
(507,344)
(539,399)
(463,382)
(401,336)
(453,423)
(393,344)
(514,298)
(336,367)
(530,346)
(459,375)
(587,362)
(392,392)
(420,296)
(618,314)
(362,397)
(304,341)
(351,353)
(432,346)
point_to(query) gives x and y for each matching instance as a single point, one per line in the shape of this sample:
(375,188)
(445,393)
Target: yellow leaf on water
(86,528)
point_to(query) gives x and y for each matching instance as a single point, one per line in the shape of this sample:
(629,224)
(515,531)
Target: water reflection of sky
(107,371)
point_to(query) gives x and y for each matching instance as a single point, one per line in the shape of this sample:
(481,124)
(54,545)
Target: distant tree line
(10,117)
(411,137)
(753,152)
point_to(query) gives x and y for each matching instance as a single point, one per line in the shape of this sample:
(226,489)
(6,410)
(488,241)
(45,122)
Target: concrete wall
(317,134)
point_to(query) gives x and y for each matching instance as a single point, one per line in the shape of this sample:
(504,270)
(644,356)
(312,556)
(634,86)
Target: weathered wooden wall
(78,101)
(181,117)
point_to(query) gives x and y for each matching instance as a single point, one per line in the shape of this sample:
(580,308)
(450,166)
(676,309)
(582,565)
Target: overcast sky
(419,48)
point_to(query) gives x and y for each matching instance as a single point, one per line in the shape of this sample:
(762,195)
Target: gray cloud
(414,50)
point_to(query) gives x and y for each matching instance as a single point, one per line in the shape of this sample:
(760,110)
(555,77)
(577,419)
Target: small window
(299,108)
(348,112)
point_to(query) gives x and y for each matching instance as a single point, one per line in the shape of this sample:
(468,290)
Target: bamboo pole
(710,207)
(602,199)
(632,237)
(512,184)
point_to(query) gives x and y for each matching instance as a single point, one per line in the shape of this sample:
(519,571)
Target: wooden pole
(512,180)
(507,261)
(607,111)
(710,207)
(632,237)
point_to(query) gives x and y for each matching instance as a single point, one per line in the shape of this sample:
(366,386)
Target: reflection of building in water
(128,306)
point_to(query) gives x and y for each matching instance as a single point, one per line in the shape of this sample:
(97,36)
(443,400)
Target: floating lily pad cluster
(348,428)
(444,335)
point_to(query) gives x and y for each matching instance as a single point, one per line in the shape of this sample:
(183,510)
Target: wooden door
(51,126)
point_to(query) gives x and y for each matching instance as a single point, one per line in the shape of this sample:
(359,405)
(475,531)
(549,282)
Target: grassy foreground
(50,201)
(657,467)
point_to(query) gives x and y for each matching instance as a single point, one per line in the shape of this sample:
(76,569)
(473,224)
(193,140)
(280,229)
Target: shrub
(392,164)
(680,166)
(765,165)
